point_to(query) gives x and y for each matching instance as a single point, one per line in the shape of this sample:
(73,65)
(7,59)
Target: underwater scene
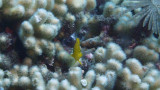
(79,45)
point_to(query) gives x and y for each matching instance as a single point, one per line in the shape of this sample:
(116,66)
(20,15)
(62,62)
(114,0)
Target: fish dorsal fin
(77,46)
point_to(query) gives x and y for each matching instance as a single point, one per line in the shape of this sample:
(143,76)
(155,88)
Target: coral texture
(79,45)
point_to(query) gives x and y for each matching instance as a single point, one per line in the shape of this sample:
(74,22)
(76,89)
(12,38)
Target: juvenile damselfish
(77,51)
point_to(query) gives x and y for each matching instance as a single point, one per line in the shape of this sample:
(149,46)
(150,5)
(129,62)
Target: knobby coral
(38,36)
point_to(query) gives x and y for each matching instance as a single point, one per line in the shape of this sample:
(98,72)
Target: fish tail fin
(79,62)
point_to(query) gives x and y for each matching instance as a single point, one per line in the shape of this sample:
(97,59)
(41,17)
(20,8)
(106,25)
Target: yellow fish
(77,51)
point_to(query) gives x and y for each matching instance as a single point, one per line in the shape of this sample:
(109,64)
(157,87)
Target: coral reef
(37,33)
(42,40)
